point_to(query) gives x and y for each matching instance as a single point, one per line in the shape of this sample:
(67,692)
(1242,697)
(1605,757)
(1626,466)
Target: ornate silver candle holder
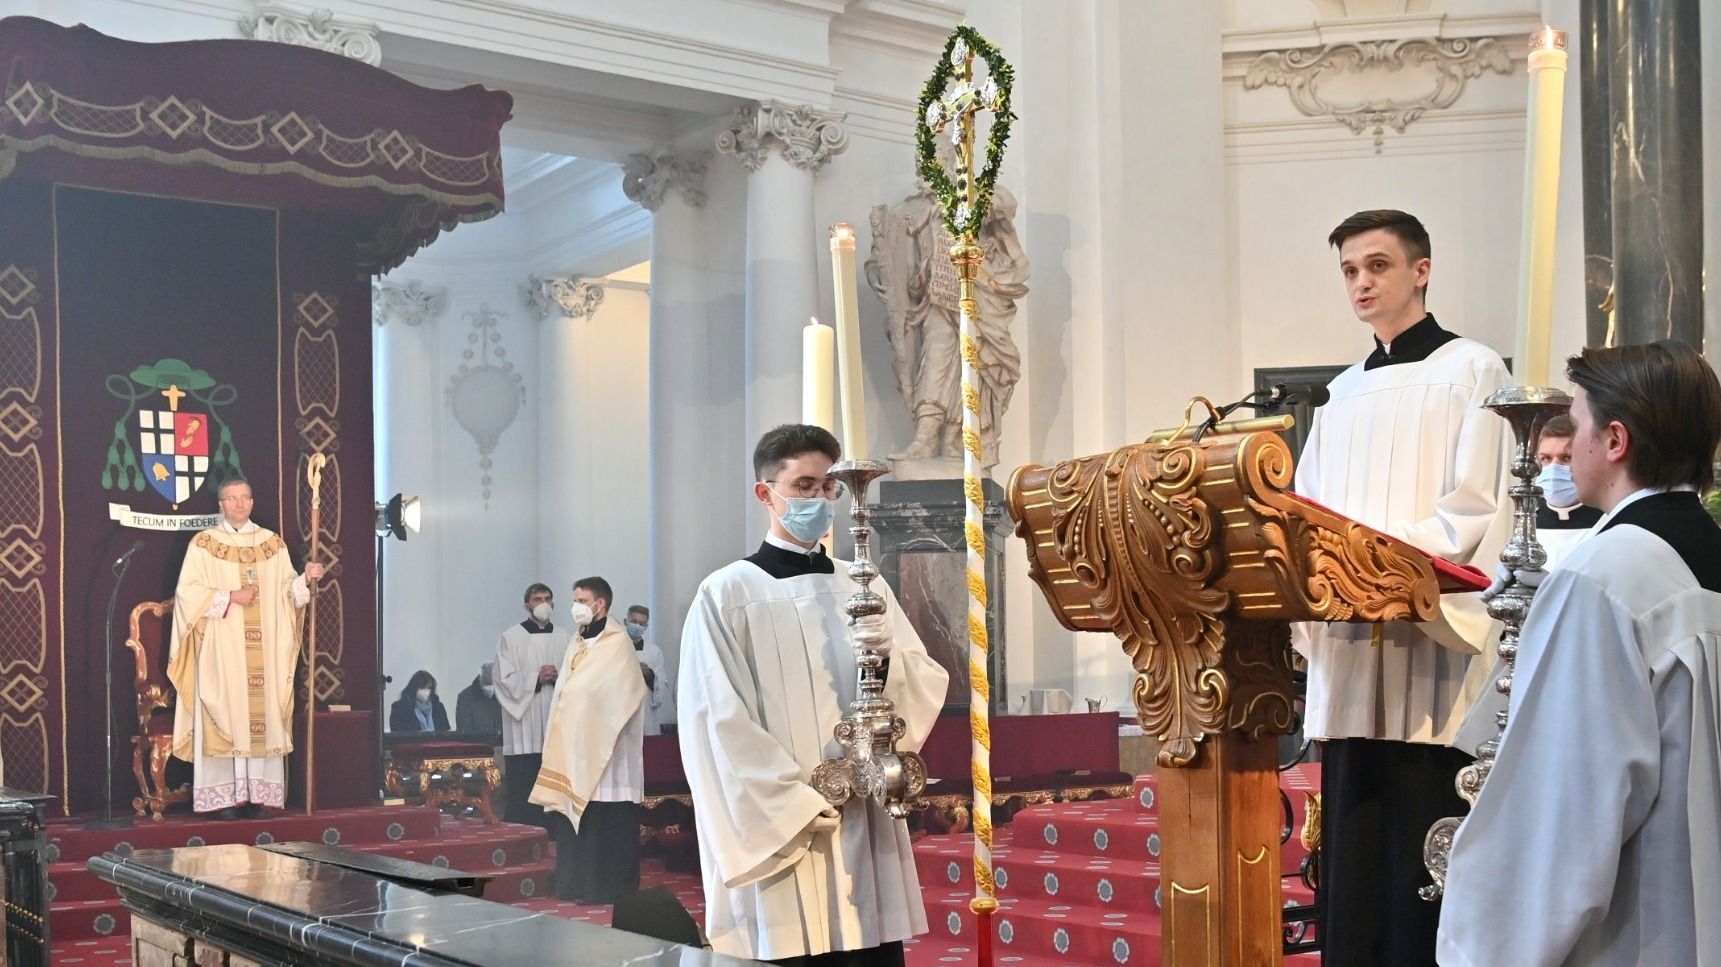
(870,764)
(1525,409)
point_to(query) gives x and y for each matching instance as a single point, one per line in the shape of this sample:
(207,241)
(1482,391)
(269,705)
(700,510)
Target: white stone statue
(910,269)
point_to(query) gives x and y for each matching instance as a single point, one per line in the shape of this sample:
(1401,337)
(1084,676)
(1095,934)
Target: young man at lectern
(1594,855)
(1403,446)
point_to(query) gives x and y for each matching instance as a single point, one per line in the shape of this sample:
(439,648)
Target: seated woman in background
(418,709)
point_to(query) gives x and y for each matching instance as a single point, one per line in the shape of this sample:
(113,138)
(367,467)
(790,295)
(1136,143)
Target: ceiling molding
(1515,24)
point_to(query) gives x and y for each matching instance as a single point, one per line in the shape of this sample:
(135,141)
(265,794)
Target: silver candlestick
(1526,409)
(870,764)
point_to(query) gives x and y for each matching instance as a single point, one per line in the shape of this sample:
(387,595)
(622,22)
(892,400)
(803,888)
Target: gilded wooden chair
(151,635)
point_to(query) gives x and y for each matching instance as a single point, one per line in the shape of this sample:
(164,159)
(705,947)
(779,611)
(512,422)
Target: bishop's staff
(313,477)
(951,100)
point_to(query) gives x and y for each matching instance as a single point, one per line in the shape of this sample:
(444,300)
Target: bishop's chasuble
(233,666)
(767,672)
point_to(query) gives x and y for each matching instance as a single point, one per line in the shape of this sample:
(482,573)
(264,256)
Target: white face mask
(543,611)
(424,696)
(489,690)
(581,613)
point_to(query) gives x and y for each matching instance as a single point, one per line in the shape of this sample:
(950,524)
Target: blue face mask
(807,518)
(635,630)
(1558,490)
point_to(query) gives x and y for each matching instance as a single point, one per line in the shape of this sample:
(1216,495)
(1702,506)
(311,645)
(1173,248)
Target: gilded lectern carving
(1191,549)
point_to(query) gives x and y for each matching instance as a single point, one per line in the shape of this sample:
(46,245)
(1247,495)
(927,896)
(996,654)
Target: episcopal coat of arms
(164,437)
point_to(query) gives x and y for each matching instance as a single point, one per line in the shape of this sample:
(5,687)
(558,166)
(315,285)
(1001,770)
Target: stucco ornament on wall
(485,393)
(1375,85)
(317,29)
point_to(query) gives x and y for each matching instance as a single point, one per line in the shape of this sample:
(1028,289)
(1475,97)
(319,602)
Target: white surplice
(525,703)
(1597,838)
(766,674)
(1409,450)
(662,691)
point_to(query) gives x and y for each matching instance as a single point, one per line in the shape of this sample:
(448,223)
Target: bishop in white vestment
(236,628)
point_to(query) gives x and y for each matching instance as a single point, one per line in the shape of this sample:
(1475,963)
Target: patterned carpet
(1078,883)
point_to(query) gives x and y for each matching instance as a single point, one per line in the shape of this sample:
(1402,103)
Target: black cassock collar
(781,564)
(1412,345)
(1679,519)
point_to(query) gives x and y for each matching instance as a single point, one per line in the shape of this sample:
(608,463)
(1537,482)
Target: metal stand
(871,765)
(1525,409)
(108,820)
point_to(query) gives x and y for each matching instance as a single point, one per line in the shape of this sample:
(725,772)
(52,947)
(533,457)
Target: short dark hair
(1407,228)
(599,588)
(534,589)
(640,609)
(1559,427)
(781,444)
(1668,399)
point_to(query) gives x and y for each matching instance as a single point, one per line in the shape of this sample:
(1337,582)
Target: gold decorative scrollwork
(1196,555)
(1141,538)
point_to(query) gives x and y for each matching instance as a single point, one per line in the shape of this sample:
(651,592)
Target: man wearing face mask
(1563,521)
(594,756)
(528,656)
(476,708)
(650,666)
(767,672)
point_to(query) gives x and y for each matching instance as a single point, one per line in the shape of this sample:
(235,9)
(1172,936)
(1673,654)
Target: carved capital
(648,180)
(808,138)
(1422,74)
(317,29)
(562,295)
(411,304)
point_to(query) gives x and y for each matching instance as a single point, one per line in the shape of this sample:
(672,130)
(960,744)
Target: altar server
(767,672)
(1404,446)
(594,756)
(1597,838)
(528,657)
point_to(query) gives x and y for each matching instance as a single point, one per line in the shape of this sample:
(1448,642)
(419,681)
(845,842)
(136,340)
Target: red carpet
(1078,883)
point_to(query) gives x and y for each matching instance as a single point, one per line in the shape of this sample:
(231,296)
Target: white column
(691,533)
(406,396)
(782,147)
(564,306)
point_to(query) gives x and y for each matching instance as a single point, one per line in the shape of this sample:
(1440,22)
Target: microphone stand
(108,821)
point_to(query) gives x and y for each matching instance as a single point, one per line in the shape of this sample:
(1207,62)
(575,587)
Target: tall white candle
(818,359)
(1541,203)
(848,341)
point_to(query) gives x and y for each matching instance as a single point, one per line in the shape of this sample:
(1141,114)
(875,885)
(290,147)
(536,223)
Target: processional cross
(951,100)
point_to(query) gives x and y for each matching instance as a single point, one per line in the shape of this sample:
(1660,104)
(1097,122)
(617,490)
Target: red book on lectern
(1454,578)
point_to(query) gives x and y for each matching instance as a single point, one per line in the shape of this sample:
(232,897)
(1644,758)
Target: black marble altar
(276,909)
(920,548)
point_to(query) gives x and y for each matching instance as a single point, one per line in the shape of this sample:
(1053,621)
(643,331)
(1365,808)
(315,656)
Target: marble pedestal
(920,549)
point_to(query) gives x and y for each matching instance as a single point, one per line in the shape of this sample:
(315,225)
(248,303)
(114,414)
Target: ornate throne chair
(151,634)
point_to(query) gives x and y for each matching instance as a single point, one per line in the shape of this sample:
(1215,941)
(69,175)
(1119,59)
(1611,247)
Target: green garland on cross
(949,198)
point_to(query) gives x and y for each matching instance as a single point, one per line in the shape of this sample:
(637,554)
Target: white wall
(1175,221)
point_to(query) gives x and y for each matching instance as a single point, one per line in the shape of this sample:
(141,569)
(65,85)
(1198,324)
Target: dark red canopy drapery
(187,234)
(252,122)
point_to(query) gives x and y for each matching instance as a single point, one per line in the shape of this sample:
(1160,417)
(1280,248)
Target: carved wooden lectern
(1197,557)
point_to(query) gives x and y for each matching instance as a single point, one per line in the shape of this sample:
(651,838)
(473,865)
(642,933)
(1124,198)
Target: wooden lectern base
(1220,821)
